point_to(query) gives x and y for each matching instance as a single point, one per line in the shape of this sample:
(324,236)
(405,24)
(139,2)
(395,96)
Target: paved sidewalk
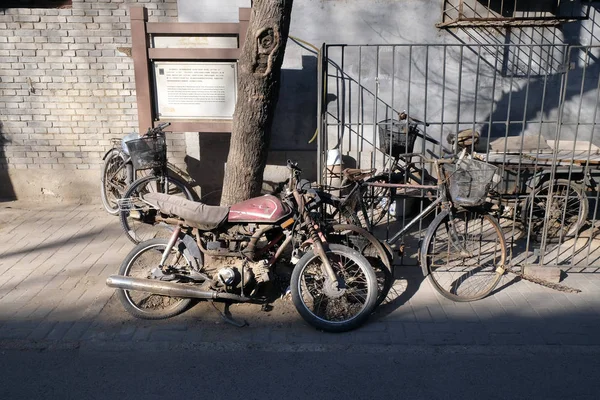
(54,260)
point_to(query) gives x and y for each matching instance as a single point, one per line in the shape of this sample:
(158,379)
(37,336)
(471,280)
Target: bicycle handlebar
(158,129)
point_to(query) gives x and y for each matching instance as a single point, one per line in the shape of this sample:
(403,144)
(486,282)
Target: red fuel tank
(263,209)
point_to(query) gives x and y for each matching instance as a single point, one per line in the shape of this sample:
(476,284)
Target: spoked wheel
(338,213)
(138,217)
(334,306)
(567,209)
(114,181)
(464,252)
(376,202)
(369,247)
(140,263)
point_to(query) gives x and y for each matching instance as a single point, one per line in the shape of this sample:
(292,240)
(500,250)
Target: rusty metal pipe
(172,289)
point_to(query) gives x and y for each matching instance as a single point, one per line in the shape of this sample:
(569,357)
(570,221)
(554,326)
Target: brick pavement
(54,260)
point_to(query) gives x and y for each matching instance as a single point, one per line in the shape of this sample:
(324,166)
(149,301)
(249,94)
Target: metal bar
(375,116)
(361,116)
(410,65)
(320,94)
(597,199)
(564,211)
(459,88)
(562,100)
(422,182)
(416,219)
(443,92)
(476,92)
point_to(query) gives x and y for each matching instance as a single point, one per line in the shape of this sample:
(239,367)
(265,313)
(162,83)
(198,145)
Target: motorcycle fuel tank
(263,209)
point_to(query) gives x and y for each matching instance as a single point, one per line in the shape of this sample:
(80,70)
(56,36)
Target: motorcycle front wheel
(334,306)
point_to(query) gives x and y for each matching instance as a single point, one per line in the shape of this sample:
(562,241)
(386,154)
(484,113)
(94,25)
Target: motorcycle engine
(234,273)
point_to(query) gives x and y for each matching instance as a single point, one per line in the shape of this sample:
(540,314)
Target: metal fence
(535,108)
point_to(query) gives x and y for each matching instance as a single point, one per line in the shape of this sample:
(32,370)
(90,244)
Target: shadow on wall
(209,170)
(295,120)
(7,192)
(524,104)
(294,124)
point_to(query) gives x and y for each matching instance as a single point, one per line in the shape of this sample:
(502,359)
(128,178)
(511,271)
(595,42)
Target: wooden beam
(139,53)
(194,54)
(210,126)
(183,28)
(243,25)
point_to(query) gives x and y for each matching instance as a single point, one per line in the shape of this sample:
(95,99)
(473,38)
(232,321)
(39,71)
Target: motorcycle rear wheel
(138,264)
(334,310)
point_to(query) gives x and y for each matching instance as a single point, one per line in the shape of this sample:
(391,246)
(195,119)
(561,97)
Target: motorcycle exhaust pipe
(171,289)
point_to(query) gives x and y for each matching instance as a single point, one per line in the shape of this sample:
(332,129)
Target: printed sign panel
(195,90)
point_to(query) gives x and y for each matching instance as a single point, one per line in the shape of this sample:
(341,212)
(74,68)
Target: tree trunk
(259,70)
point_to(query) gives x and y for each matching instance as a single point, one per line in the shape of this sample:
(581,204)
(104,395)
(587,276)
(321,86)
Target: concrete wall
(66,83)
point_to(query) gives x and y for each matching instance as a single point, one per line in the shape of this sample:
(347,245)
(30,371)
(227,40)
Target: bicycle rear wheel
(114,181)
(138,217)
(464,252)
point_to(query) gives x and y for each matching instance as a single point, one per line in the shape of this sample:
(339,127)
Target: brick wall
(67,87)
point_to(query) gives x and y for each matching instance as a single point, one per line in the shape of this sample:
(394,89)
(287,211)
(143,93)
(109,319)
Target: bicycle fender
(428,236)
(386,257)
(108,152)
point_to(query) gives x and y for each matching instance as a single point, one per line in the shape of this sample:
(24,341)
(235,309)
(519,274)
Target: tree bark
(259,70)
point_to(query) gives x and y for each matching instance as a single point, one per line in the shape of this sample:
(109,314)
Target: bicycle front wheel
(114,181)
(138,217)
(464,252)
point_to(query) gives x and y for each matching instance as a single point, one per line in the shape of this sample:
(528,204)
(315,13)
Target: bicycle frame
(441,199)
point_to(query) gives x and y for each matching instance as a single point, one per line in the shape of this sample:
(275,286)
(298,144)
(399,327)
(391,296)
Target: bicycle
(121,194)
(463,250)
(367,205)
(118,171)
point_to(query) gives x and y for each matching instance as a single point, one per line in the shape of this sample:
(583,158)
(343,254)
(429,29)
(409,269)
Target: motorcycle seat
(195,214)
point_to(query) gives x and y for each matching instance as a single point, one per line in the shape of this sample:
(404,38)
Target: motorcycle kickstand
(227,317)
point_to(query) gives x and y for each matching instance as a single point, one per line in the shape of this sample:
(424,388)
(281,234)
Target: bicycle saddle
(355,174)
(195,214)
(465,138)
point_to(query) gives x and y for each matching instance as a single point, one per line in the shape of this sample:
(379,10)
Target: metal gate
(535,108)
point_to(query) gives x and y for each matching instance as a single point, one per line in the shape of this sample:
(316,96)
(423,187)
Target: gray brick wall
(65,88)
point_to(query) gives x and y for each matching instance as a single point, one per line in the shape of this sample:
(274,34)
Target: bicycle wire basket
(469,181)
(396,137)
(148,152)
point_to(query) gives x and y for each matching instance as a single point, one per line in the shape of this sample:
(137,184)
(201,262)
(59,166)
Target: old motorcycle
(231,254)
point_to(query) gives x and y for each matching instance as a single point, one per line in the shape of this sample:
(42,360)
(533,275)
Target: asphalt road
(287,373)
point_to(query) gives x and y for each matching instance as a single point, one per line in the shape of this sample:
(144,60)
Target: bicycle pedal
(135,214)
